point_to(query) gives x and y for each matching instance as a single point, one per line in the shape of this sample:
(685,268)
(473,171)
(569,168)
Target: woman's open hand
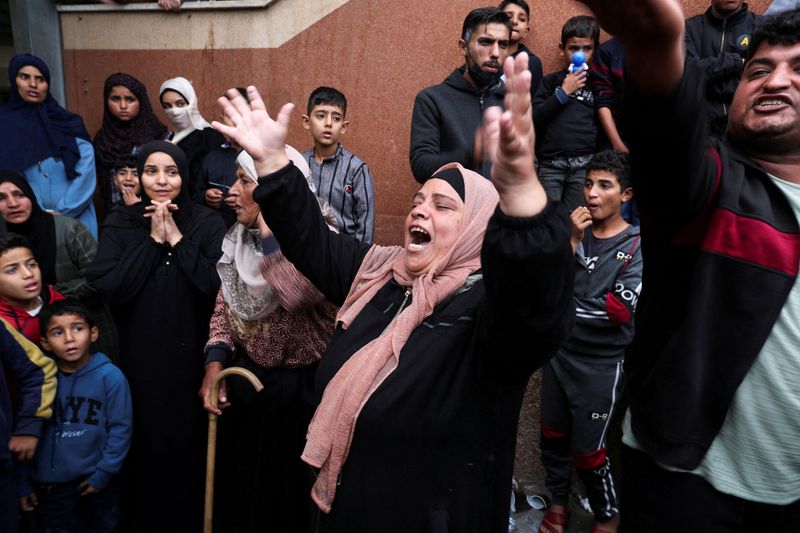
(508,138)
(253,129)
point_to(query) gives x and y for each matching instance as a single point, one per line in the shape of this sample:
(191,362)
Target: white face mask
(180,118)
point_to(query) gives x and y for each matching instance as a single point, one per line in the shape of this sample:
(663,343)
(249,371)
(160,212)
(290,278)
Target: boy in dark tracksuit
(564,116)
(581,384)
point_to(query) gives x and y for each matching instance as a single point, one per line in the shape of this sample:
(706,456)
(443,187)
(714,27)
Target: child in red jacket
(22,294)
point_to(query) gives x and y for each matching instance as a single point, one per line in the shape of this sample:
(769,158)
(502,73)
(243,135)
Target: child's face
(69,337)
(519,20)
(127,178)
(604,195)
(575,44)
(20,277)
(326,123)
(122,103)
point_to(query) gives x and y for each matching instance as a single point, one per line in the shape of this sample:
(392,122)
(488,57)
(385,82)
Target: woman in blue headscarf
(47,143)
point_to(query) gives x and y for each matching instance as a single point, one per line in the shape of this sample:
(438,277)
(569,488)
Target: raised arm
(526,256)
(665,95)
(329,260)
(652,34)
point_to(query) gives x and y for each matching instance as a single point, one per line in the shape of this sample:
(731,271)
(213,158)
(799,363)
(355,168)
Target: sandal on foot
(551,520)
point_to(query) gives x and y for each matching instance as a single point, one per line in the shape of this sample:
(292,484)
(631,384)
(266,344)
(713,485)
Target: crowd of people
(137,264)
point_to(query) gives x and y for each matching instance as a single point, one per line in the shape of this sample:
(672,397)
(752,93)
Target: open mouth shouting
(769,104)
(419,238)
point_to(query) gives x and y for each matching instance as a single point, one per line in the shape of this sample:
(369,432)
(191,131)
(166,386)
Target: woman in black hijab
(156,266)
(128,122)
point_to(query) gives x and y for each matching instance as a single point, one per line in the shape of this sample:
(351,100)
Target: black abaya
(162,298)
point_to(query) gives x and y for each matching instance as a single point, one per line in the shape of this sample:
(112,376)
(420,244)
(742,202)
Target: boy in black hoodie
(520,16)
(564,116)
(581,383)
(719,39)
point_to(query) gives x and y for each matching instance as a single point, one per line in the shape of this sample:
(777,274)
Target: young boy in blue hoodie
(581,384)
(73,480)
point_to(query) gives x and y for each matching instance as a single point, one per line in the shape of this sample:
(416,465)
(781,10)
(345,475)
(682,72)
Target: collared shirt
(345,182)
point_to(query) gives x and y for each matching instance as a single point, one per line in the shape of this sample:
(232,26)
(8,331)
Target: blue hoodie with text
(90,431)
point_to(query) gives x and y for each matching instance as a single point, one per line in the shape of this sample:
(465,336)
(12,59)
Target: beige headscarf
(331,430)
(245,289)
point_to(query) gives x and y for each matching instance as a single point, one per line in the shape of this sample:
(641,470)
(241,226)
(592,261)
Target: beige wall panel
(268,27)
(379,53)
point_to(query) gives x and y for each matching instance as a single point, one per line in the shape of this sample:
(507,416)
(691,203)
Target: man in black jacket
(712,379)
(447,115)
(720,38)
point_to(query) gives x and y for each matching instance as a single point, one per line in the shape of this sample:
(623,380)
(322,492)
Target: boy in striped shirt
(341,178)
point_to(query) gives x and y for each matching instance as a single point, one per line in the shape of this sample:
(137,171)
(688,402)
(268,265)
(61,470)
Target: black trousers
(656,500)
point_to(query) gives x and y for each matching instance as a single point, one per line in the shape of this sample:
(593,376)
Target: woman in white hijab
(269,319)
(190,131)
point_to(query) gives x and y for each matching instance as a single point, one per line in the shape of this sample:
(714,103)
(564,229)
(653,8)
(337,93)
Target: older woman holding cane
(420,387)
(270,320)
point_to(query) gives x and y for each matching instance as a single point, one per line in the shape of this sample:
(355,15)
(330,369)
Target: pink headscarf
(331,430)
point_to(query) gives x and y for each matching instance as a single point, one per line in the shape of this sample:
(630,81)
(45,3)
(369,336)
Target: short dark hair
(327,96)
(613,162)
(127,160)
(481,16)
(582,26)
(781,29)
(11,241)
(70,306)
(521,3)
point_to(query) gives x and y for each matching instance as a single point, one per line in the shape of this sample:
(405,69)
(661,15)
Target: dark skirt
(262,485)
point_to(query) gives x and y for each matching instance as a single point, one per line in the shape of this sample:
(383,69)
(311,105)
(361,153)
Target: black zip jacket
(721,248)
(564,130)
(444,122)
(433,447)
(720,45)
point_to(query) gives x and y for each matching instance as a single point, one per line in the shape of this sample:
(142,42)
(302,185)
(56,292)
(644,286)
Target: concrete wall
(379,53)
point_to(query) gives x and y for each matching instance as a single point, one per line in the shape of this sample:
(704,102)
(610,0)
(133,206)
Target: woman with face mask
(420,388)
(156,267)
(47,143)
(128,122)
(62,246)
(191,131)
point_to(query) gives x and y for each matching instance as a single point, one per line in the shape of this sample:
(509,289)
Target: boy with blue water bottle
(564,115)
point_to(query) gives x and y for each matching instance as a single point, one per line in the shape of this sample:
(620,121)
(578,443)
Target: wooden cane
(211,456)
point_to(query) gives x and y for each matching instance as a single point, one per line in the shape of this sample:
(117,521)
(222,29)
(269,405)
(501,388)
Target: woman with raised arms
(420,387)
